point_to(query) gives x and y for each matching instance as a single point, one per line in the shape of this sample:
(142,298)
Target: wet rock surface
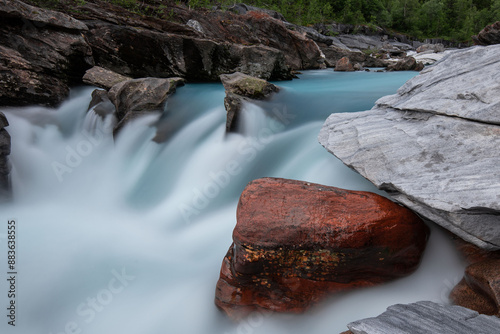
(296,242)
(137,97)
(241,88)
(5,146)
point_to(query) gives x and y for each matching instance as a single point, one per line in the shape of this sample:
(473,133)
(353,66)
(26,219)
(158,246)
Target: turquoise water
(128,235)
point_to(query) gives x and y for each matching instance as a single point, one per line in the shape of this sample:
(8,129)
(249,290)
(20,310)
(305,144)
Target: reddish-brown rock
(406,64)
(344,65)
(479,290)
(295,242)
(489,35)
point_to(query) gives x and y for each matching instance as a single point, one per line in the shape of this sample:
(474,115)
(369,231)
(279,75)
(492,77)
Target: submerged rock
(239,88)
(479,290)
(295,242)
(426,317)
(137,97)
(4,159)
(433,146)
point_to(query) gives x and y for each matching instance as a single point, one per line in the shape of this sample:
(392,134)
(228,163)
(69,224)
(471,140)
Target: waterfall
(127,235)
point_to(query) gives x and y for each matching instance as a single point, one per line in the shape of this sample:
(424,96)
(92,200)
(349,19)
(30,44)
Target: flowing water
(127,236)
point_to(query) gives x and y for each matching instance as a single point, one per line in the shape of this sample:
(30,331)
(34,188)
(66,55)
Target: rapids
(128,235)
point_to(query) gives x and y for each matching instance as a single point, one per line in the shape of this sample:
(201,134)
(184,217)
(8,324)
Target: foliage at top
(449,19)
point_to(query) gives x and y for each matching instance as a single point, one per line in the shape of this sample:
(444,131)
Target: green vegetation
(449,19)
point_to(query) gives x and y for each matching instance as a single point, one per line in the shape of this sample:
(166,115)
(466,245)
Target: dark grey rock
(39,16)
(434,145)
(137,97)
(361,42)
(122,50)
(5,146)
(42,53)
(427,317)
(240,88)
(101,103)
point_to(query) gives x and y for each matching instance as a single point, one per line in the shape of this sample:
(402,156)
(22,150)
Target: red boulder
(295,242)
(344,65)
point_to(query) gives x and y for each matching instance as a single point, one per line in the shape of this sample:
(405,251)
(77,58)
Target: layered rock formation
(240,88)
(4,159)
(295,242)
(426,317)
(42,53)
(433,145)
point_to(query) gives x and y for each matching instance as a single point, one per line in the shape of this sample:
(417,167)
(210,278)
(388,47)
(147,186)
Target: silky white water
(128,235)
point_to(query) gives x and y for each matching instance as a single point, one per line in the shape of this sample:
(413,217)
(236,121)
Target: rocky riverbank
(432,147)
(44,52)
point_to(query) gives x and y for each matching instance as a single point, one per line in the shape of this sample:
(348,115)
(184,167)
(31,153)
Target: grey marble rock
(427,317)
(433,146)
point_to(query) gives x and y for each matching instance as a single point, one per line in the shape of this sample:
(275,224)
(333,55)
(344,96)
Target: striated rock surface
(295,242)
(133,98)
(239,88)
(258,27)
(489,35)
(42,52)
(344,65)
(102,77)
(4,159)
(433,145)
(426,317)
(479,290)
(121,49)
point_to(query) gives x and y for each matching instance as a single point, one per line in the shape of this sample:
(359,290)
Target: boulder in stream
(296,242)
(239,88)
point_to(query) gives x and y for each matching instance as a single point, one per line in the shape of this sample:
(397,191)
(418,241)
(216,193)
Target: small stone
(344,65)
